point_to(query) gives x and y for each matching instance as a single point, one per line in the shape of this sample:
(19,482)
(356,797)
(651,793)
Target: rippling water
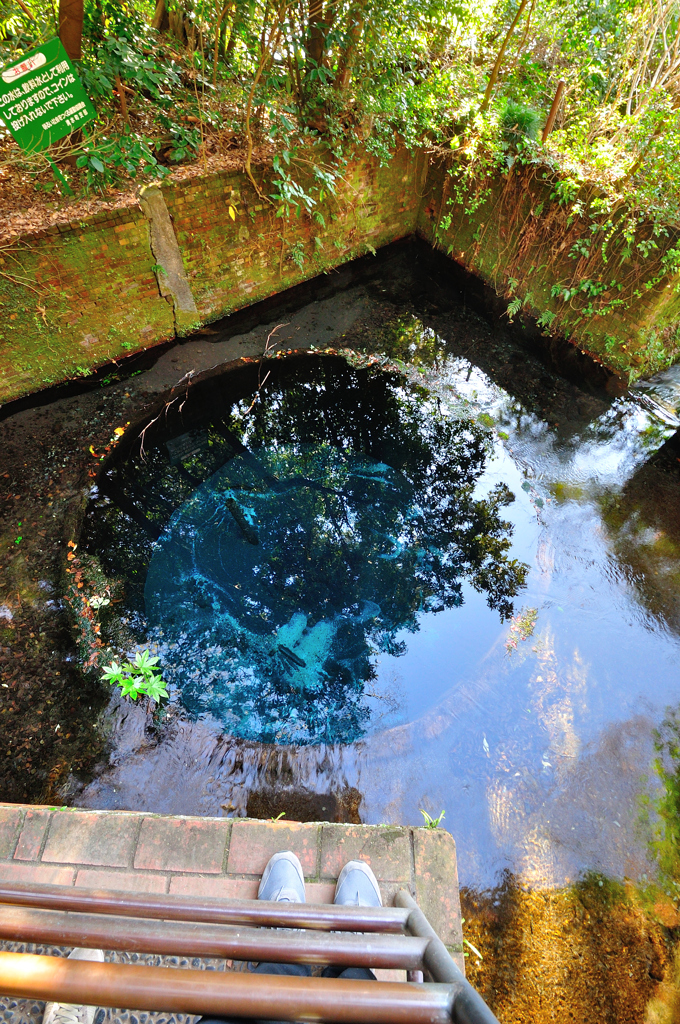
(441,678)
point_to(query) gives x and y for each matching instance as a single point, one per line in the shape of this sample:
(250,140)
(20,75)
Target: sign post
(42,100)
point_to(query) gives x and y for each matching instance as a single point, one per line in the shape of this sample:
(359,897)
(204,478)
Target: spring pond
(381,585)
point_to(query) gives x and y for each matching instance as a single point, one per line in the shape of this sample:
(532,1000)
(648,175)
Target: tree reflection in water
(349,513)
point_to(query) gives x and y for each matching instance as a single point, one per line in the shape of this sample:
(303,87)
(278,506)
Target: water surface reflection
(538,754)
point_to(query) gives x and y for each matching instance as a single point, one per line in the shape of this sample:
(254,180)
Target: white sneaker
(282,879)
(357,886)
(69,1013)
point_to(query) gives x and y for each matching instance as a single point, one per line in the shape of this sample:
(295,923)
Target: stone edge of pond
(133,851)
(98,292)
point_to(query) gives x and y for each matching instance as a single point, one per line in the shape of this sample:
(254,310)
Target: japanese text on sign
(42,98)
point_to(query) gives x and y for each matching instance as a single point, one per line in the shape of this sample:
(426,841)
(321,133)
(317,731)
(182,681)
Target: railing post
(468,1005)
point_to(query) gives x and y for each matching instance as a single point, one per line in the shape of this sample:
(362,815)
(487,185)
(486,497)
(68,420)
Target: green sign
(42,99)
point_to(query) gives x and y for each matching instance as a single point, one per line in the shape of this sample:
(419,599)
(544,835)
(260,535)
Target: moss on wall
(563,257)
(77,296)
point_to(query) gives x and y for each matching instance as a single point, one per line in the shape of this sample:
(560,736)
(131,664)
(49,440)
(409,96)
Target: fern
(514,308)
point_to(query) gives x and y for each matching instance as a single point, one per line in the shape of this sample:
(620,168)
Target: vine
(606,252)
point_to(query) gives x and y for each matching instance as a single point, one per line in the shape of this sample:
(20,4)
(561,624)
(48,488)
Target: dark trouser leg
(299,971)
(355,973)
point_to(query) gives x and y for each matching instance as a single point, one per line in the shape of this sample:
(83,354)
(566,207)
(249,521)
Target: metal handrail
(206,927)
(468,1006)
(131,934)
(320,916)
(224,995)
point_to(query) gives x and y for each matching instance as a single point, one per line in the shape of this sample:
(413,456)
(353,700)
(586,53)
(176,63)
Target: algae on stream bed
(592,952)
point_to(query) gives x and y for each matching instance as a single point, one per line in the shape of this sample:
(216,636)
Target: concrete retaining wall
(79,295)
(528,242)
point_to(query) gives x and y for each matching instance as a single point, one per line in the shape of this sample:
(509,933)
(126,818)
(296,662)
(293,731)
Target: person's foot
(282,879)
(73,1013)
(357,886)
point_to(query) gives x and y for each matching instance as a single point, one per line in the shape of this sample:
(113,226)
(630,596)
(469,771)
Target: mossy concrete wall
(77,296)
(542,247)
(74,298)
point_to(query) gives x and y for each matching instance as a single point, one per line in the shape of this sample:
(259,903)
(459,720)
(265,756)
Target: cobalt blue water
(293,571)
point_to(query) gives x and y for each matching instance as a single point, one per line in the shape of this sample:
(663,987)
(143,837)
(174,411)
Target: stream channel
(436,567)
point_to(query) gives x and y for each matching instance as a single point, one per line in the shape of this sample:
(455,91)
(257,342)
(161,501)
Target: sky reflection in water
(538,754)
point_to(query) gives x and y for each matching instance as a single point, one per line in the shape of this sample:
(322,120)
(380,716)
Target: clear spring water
(281,582)
(371,615)
(273,586)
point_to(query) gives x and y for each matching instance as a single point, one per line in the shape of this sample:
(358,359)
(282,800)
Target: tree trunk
(347,57)
(549,124)
(176,24)
(161,19)
(229,51)
(316,37)
(499,59)
(71,27)
(221,20)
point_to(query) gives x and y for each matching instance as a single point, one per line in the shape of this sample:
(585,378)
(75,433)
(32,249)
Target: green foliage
(513,308)
(296,253)
(24,25)
(136,677)
(661,813)
(431,822)
(106,157)
(113,57)
(519,122)
(388,74)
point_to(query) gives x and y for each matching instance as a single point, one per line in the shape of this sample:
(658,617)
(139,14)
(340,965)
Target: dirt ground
(596,952)
(26,206)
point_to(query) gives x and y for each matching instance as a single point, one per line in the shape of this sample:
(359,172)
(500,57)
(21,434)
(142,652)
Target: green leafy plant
(514,308)
(431,822)
(108,158)
(546,318)
(519,122)
(297,254)
(136,677)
